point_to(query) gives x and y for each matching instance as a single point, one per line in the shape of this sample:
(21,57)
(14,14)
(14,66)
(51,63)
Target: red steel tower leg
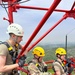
(64,17)
(49,12)
(10,11)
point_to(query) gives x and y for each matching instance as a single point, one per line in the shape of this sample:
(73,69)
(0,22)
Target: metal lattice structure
(14,5)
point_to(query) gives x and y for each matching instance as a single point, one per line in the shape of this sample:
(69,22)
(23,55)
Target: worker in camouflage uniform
(9,51)
(37,66)
(58,65)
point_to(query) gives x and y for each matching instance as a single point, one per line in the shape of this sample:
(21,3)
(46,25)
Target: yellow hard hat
(39,51)
(60,51)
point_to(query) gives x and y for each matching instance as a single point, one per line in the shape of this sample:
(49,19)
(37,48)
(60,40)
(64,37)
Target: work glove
(45,69)
(70,70)
(69,62)
(22,61)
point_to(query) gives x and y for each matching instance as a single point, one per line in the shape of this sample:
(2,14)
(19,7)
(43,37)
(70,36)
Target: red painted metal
(73,60)
(12,6)
(73,6)
(49,12)
(10,12)
(5,0)
(11,9)
(47,32)
(9,0)
(31,7)
(64,17)
(23,70)
(49,67)
(70,13)
(40,8)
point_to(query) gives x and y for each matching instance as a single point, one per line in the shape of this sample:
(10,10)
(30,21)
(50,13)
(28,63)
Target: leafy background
(50,53)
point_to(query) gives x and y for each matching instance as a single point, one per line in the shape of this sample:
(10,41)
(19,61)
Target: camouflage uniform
(36,68)
(57,65)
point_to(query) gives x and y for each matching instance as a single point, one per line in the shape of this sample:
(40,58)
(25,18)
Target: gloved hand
(70,70)
(45,69)
(22,60)
(69,62)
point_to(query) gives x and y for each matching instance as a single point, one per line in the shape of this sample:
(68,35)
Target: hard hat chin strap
(59,56)
(15,39)
(37,58)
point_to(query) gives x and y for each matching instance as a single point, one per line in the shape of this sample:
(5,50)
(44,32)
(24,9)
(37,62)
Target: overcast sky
(29,19)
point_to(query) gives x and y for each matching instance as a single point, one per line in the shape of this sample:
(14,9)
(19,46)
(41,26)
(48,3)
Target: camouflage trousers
(45,73)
